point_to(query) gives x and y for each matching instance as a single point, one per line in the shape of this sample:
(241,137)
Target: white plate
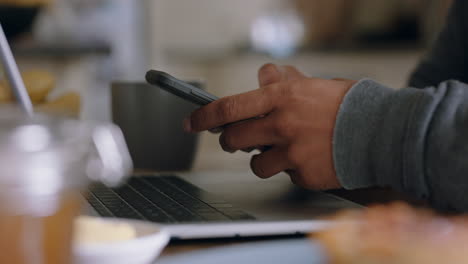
(144,249)
(290,251)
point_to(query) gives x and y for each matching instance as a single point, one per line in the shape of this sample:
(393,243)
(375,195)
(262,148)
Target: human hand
(297,122)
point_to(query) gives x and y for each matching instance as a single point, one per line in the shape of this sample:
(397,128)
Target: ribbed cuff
(357,121)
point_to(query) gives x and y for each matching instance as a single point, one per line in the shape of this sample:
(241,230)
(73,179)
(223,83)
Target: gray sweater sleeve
(414,140)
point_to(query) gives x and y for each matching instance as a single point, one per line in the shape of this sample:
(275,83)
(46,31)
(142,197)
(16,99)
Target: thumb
(271,73)
(343,80)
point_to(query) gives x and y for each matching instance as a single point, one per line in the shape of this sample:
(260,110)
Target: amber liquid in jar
(27,239)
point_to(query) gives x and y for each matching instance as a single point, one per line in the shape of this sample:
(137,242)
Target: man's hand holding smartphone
(298,121)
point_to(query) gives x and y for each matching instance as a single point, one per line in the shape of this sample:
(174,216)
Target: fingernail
(216,130)
(222,142)
(248,150)
(188,125)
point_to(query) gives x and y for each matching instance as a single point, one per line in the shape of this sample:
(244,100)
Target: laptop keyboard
(162,199)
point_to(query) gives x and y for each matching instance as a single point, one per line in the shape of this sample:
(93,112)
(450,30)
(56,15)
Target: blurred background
(86,44)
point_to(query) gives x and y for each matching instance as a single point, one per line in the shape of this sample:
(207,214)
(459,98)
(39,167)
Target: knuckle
(227,109)
(286,90)
(291,92)
(271,90)
(271,94)
(297,86)
(284,126)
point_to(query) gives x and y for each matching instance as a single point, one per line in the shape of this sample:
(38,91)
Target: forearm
(411,139)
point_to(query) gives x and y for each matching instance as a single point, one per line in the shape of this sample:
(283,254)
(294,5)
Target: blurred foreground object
(396,234)
(91,230)
(45,162)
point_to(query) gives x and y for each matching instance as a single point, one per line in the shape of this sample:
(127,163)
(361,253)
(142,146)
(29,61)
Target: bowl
(144,249)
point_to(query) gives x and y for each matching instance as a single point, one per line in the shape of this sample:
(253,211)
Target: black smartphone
(188,92)
(179,88)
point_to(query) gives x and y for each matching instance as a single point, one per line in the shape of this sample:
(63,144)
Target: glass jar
(45,163)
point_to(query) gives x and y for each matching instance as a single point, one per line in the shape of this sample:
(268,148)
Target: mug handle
(113,163)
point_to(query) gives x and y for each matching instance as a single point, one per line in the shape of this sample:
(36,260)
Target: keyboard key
(210,199)
(114,203)
(159,199)
(198,207)
(150,211)
(193,190)
(97,205)
(162,199)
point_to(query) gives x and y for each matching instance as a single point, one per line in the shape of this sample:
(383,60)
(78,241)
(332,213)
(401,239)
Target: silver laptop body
(280,208)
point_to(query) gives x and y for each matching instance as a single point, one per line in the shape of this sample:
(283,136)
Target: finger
(259,148)
(249,134)
(342,80)
(216,130)
(248,150)
(269,74)
(263,148)
(270,163)
(298,179)
(233,109)
(295,177)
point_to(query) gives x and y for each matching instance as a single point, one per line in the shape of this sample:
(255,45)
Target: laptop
(217,204)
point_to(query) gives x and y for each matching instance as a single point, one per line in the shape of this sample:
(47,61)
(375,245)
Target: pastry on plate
(38,83)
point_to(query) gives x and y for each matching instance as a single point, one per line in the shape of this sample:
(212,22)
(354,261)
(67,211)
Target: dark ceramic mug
(151,120)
